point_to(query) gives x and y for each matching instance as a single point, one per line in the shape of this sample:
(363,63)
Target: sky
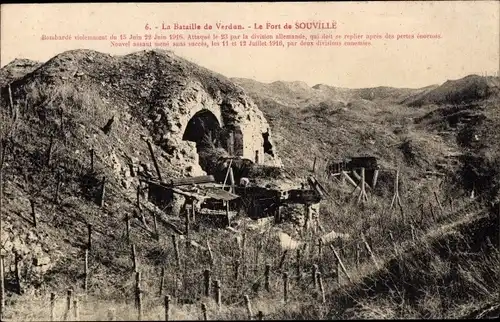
(469,42)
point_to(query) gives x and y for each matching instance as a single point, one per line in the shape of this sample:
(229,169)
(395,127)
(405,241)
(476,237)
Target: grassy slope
(374,127)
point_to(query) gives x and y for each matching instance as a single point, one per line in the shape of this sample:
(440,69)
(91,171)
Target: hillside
(81,101)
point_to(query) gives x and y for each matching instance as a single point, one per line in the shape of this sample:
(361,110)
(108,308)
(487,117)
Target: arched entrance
(205,130)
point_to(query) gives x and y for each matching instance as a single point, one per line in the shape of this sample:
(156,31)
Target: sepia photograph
(250,161)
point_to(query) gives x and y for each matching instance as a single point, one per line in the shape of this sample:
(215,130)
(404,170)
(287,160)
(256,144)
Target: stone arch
(201,125)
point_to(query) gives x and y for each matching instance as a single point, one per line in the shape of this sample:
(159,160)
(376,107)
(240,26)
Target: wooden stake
(11,102)
(127,222)
(167,307)
(204,311)
(17,260)
(266,277)
(314,275)
(176,252)
(89,236)
(320,248)
(249,306)
(138,297)
(76,314)
(243,254)
(236,269)
(321,288)
(285,287)
(52,305)
(162,279)
(210,255)
(134,258)
(154,160)
(340,262)
(298,265)
(314,165)
(282,260)
(217,293)
(2,287)
(86,271)
(393,243)
(231,179)
(206,278)
(103,192)
(375,177)
(33,213)
(368,248)
(68,305)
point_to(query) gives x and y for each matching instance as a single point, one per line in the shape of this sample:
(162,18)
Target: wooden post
(176,251)
(228,217)
(320,248)
(204,311)
(167,307)
(243,255)
(314,275)
(92,160)
(231,179)
(256,156)
(260,316)
(314,165)
(282,260)
(210,255)
(86,271)
(11,101)
(368,248)
(52,304)
(89,236)
(266,277)
(362,195)
(138,297)
(103,192)
(393,243)
(375,177)
(321,288)
(2,287)
(230,144)
(162,279)
(413,237)
(154,160)
(217,293)
(396,197)
(33,213)
(17,260)
(249,306)
(111,315)
(76,314)
(186,227)
(68,305)
(337,271)
(206,278)
(236,269)
(337,256)
(285,287)
(298,265)
(134,258)
(127,222)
